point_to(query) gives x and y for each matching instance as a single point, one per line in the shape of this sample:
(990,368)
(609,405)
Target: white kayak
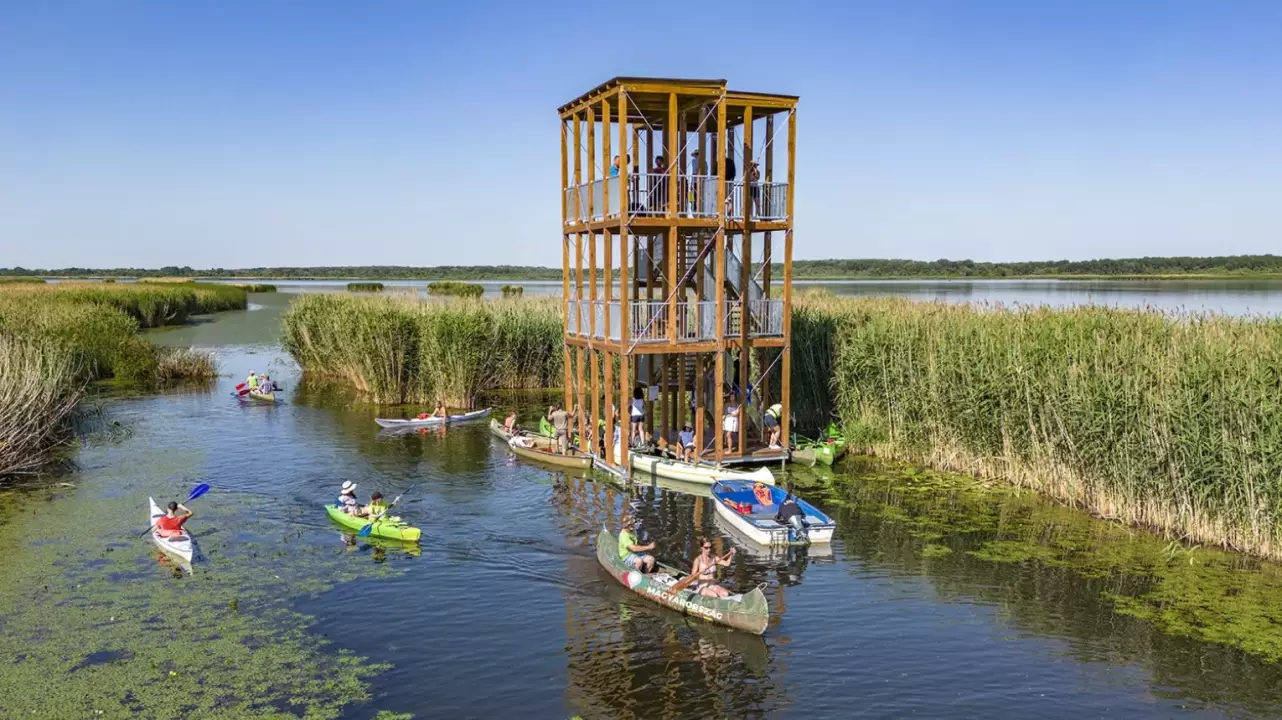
(696,473)
(429,422)
(182,546)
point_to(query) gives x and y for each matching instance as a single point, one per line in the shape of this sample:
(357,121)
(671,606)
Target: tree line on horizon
(1232,265)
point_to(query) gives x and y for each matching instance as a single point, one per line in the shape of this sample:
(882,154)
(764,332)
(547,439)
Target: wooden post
(625,356)
(767,253)
(592,161)
(605,155)
(671,293)
(593,361)
(700,405)
(607,358)
(745,279)
(786,371)
(579,353)
(719,398)
(663,397)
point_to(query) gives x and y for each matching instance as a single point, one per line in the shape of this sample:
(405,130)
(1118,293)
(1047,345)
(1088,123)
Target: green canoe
(392,528)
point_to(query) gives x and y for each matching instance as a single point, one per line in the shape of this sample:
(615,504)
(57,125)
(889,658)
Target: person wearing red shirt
(171,524)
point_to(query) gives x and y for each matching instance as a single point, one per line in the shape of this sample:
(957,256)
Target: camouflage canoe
(748,612)
(527,447)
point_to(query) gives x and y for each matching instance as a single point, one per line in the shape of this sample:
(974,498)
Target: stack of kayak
(432,421)
(826,450)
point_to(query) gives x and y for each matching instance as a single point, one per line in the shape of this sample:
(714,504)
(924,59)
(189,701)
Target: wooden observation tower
(673,209)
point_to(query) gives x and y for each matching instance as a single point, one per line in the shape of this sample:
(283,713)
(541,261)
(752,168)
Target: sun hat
(349,486)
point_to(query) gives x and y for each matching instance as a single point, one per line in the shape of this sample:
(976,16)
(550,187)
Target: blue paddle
(367,529)
(196,492)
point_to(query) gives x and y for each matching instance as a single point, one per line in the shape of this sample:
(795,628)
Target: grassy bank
(400,350)
(1150,419)
(55,339)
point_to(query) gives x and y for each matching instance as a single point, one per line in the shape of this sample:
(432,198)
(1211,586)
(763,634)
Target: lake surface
(938,598)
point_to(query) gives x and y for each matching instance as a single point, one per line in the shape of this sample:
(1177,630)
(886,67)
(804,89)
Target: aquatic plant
(512,290)
(39,387)
(1152,419)
(398,350)
(370,287)
(20,280)
(457,289)
(257,287)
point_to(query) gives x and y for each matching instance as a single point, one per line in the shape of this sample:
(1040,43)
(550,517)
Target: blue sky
(234,134)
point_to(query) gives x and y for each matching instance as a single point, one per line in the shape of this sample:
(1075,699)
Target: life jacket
(376,510)
(252,382)
(763,496)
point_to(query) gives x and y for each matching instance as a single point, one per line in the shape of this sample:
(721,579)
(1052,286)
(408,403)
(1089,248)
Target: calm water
(937,599)
(1235,297)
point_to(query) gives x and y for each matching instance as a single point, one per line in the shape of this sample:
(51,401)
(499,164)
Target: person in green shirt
(632,553)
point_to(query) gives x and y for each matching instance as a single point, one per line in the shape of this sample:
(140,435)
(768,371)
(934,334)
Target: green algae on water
(98,623)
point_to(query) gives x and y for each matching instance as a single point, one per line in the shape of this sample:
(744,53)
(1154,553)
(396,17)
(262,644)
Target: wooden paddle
(684,582)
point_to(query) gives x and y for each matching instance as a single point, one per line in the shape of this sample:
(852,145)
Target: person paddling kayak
(266,385)
(171,523)
(376,508)
(632,553)
(252,382)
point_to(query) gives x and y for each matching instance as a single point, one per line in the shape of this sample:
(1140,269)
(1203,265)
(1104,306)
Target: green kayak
(392,528)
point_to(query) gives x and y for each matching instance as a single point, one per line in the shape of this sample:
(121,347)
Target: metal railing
(769,200)
(766,317)
(696,198)
(648,320)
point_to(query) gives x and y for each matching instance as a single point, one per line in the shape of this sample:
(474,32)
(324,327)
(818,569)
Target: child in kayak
(171,523)
(376,508)
(510,423)
(347,499)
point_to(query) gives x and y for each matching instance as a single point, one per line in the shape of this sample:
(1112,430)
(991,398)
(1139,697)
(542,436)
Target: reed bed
(398,350)
(39,388)
(367,287)
(456,289)
(151,304)
(1154,419)
(513,290)
(257,287)
(21,280)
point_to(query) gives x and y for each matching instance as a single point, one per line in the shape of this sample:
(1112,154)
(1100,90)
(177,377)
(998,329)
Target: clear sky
(233,134)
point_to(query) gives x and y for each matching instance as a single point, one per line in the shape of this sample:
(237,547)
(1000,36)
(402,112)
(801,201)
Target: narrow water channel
(939,597)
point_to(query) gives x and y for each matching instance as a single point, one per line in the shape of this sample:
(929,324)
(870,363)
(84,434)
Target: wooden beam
(565,171)
(605,156)
(700,404)
(587,100)
(625,338)
(767,254)
(579,354)
(745,279)
(786,370)
(719,395)
(624,167)
(592,161)
(672,133)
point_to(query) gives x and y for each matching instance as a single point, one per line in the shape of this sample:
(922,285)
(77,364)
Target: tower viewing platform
(677,228)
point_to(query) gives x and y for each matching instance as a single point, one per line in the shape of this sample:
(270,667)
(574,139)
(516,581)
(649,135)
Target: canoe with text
(544,443)
(695,472)
(525,446)
(748,611)
(429,422)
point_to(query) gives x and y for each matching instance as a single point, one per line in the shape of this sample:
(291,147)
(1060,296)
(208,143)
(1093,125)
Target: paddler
(439,412)
(376,508)
(510,423)
(632,553)
(171,523)
(252,381)
(266,385)
(347,499)
(705,568)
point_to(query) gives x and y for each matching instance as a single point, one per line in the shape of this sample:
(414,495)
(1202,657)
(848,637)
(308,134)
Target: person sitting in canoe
(762,493)
(171,523)
(705,568)
(251,382)
(439,412)
(510,423)
(266,385)
(347,499)
(685,439)
(791,514)
(632,553)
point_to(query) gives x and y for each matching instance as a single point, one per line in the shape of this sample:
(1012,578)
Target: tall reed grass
(39,388)
(370,287)
(56,338)
(1161,420)
(398,350)
(257,287)
(456,289)
(512,290)
(20,280)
